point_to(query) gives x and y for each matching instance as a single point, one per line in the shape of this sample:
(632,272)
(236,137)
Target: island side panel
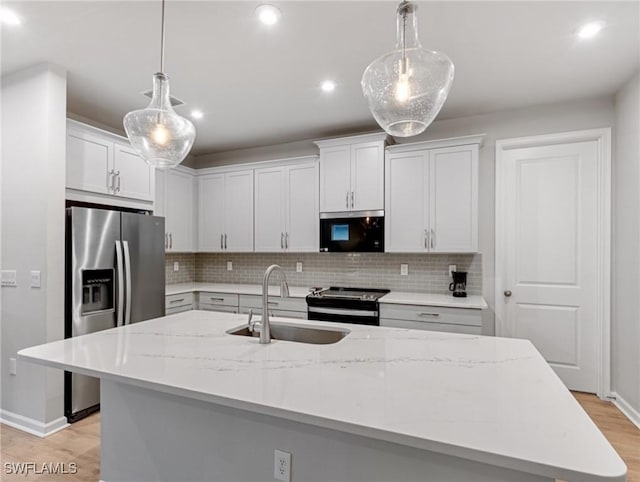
(153,436)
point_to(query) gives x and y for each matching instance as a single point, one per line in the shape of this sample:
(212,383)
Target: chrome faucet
(265,331)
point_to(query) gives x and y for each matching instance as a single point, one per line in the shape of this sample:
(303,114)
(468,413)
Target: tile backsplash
(427,272)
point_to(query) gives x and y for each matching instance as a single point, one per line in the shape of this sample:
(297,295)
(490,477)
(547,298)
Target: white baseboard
(627,410)
(32,426)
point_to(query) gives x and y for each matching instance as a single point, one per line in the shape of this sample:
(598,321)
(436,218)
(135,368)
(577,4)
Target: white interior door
(550,204)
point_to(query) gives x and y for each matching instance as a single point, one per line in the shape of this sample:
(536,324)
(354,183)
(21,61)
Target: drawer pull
(216,299)
(429,314)
(176,301)
(273,303)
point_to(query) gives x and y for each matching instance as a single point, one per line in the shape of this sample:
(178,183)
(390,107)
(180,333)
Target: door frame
(603,244)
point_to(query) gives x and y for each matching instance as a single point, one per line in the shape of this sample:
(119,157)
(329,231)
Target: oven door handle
(345,312)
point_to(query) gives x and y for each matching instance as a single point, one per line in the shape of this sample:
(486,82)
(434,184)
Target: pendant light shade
(406,88)
(157,133)
(161,137)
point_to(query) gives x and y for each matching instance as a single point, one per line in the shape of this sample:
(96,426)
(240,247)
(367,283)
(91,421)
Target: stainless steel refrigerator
(114,277)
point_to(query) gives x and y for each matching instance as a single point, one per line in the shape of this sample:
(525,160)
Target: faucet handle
(250,324)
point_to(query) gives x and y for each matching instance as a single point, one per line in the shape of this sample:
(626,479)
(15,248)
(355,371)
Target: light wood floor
(80,444)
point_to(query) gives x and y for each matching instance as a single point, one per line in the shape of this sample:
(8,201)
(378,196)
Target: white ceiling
(259,85)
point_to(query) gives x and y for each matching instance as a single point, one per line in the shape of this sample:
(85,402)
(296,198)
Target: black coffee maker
(459,284)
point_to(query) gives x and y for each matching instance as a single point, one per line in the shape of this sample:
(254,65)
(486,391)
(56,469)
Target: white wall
(625,333)
(544,119)
(33,224)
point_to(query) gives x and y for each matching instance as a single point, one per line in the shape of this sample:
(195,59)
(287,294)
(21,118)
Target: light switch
(35,279)
(229,266)
(298,267)
(176,266)
(9,277)
(404,270)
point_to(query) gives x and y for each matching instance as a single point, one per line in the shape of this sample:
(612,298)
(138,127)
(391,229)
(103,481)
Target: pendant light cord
(162,41)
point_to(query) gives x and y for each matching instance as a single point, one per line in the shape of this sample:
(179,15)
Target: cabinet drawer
(298,315)
(180,299)
(275,302)
(223,309)
(428,326)
(432,314)
(223,299)
(178,309)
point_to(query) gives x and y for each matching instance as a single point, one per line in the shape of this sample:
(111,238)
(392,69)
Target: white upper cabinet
(432,196)
(175,200)
(286,208)
(99,162)
(352,173)
(226,211)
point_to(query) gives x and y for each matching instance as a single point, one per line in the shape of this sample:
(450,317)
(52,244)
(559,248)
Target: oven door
(361,232)
(344,315)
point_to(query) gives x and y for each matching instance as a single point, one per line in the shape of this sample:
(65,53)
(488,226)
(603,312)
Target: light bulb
(160,135)
(403,89)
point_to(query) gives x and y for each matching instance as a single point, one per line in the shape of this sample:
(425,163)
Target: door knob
(507,293)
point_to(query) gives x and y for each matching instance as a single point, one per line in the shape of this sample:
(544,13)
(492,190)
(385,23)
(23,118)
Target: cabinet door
(406,211)
(269,209)
(136,177)
(367,176)
(89,162)
(453,199)
(211,212)
(303,217)
(178,210)
(335,183)
(238,202)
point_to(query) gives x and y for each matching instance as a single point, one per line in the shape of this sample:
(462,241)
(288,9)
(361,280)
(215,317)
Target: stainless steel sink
(296,333)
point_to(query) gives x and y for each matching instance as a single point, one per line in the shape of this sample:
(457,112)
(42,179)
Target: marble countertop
(487,399)
(394,297)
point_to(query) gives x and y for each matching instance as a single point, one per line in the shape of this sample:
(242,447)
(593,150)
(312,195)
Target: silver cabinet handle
(166,240)
(433,239)
(170,240)
(347,200)
(351,199)
(176,301)
(286,240)
(429,314)
(508,293)
(275,303)
(117,175)
(225,240)
(282,240)
(221,238)
(216,299)
(426,236)
(111,181)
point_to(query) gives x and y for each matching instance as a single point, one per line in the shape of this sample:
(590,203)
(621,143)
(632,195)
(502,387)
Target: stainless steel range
(345,305)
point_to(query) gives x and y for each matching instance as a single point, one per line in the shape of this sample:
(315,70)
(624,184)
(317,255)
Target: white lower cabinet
(223,302)
(178,303)
(453,320)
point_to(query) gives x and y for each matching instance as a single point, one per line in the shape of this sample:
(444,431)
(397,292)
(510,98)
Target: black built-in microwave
(352,232)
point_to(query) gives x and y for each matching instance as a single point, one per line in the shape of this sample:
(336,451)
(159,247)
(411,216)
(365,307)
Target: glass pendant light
(159,135)
(406,88)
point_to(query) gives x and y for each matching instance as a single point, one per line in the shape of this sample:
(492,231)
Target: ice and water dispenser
(97,290)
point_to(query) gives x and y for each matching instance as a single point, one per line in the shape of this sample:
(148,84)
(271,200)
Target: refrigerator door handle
(120,273)
(127,271)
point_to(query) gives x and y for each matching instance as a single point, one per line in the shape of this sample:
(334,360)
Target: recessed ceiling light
(197,114)
(268,14)
(8,17)
(328,85)
(590,29)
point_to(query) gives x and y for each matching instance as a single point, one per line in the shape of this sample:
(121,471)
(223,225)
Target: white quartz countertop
(487,399)
(394,297)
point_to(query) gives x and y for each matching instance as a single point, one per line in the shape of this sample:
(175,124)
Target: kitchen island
(183,400)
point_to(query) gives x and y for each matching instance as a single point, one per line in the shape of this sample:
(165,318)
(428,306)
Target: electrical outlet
(35,279)
(404,270)
(452,268)
(176,266)
(282,466)
(9,277)
(12,366)
(229,266)
(298,267)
